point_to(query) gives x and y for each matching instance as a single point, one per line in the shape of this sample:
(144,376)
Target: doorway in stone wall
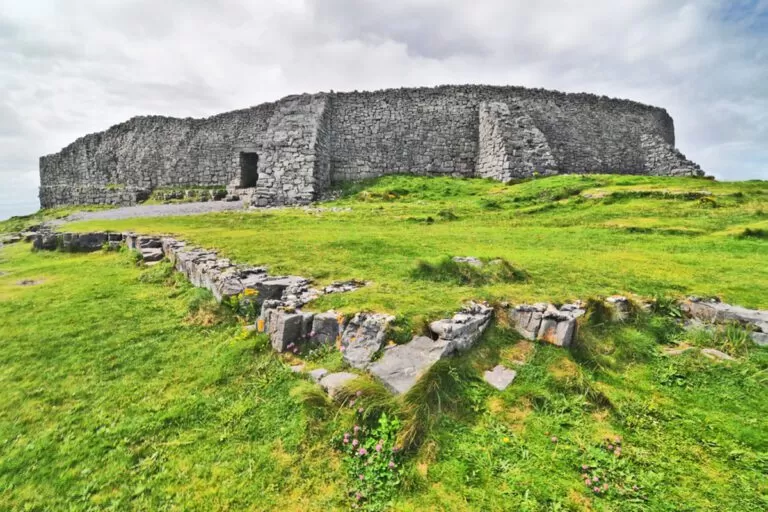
(249,169)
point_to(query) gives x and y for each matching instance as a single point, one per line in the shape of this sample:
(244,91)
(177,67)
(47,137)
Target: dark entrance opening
(249,169)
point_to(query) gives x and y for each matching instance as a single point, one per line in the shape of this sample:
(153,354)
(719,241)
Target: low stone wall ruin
(363,337)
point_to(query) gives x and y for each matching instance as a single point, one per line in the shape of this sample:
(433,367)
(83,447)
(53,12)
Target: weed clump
(759,234)
(489,271)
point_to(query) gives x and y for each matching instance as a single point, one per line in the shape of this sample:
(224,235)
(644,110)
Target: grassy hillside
(576,236)
(124,388)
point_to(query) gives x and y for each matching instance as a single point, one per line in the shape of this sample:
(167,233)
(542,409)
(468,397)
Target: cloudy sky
(71,67)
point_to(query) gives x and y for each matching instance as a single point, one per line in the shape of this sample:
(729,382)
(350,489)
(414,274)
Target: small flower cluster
(613,446)
(293,348)
(352,403)
(592,480)
(372,459)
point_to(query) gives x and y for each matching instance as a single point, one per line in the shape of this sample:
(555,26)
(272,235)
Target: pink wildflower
(351,403)
(361,477)
(356,428)
(596,489)
(378,447)
(391,464)
(362,451)
(355,442)
(360,410)
(359,393)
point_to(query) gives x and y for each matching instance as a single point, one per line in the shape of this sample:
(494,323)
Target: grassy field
(124,388)
(576,236)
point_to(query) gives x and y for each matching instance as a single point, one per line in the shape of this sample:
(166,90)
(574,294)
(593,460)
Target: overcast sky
(71,67)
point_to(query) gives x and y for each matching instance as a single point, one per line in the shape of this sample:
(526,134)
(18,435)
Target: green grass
(574,236)
(23,222)
(123,388)
(127,389)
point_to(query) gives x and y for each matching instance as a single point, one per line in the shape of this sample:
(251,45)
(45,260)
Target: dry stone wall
(364,336)
(303,144)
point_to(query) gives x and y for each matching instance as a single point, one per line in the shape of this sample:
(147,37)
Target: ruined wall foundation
(292,150)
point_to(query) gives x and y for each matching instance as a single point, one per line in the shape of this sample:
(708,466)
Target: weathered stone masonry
(292,150)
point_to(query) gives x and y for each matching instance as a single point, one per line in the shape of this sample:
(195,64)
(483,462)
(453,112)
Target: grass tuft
(447,270)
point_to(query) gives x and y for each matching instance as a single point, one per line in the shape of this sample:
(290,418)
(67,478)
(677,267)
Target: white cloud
(71,68)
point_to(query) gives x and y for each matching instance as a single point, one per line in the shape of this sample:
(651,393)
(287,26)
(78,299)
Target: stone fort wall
(304,144)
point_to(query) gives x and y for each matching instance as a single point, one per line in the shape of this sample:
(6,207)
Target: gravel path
(157,210)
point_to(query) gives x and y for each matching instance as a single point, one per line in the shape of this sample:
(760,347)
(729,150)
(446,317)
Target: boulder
(333,382)
(500,377)
(363,337)
(401,366)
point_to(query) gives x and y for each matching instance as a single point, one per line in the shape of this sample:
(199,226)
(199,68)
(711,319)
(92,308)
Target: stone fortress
(293,150)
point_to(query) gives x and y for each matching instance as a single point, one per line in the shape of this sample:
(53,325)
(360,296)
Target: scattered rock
(29,282)
(343,286)
(297,368)
(620,307)
(500,377)
(333,382)
(470,260)
(761,338)
(318,374)
(401,366)
(11,238)
(676,351)
(363,337)
(716,354)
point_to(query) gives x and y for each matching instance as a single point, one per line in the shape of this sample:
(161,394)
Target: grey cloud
(430,29)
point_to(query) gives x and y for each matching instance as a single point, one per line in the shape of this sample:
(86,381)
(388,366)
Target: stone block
(500,377)
(363,337)
(326,328)
(285,328)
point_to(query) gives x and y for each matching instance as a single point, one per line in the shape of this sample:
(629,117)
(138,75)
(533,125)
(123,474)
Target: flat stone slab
(760,338)
(333,382)
(716,354)
(500,377)
(401,366)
